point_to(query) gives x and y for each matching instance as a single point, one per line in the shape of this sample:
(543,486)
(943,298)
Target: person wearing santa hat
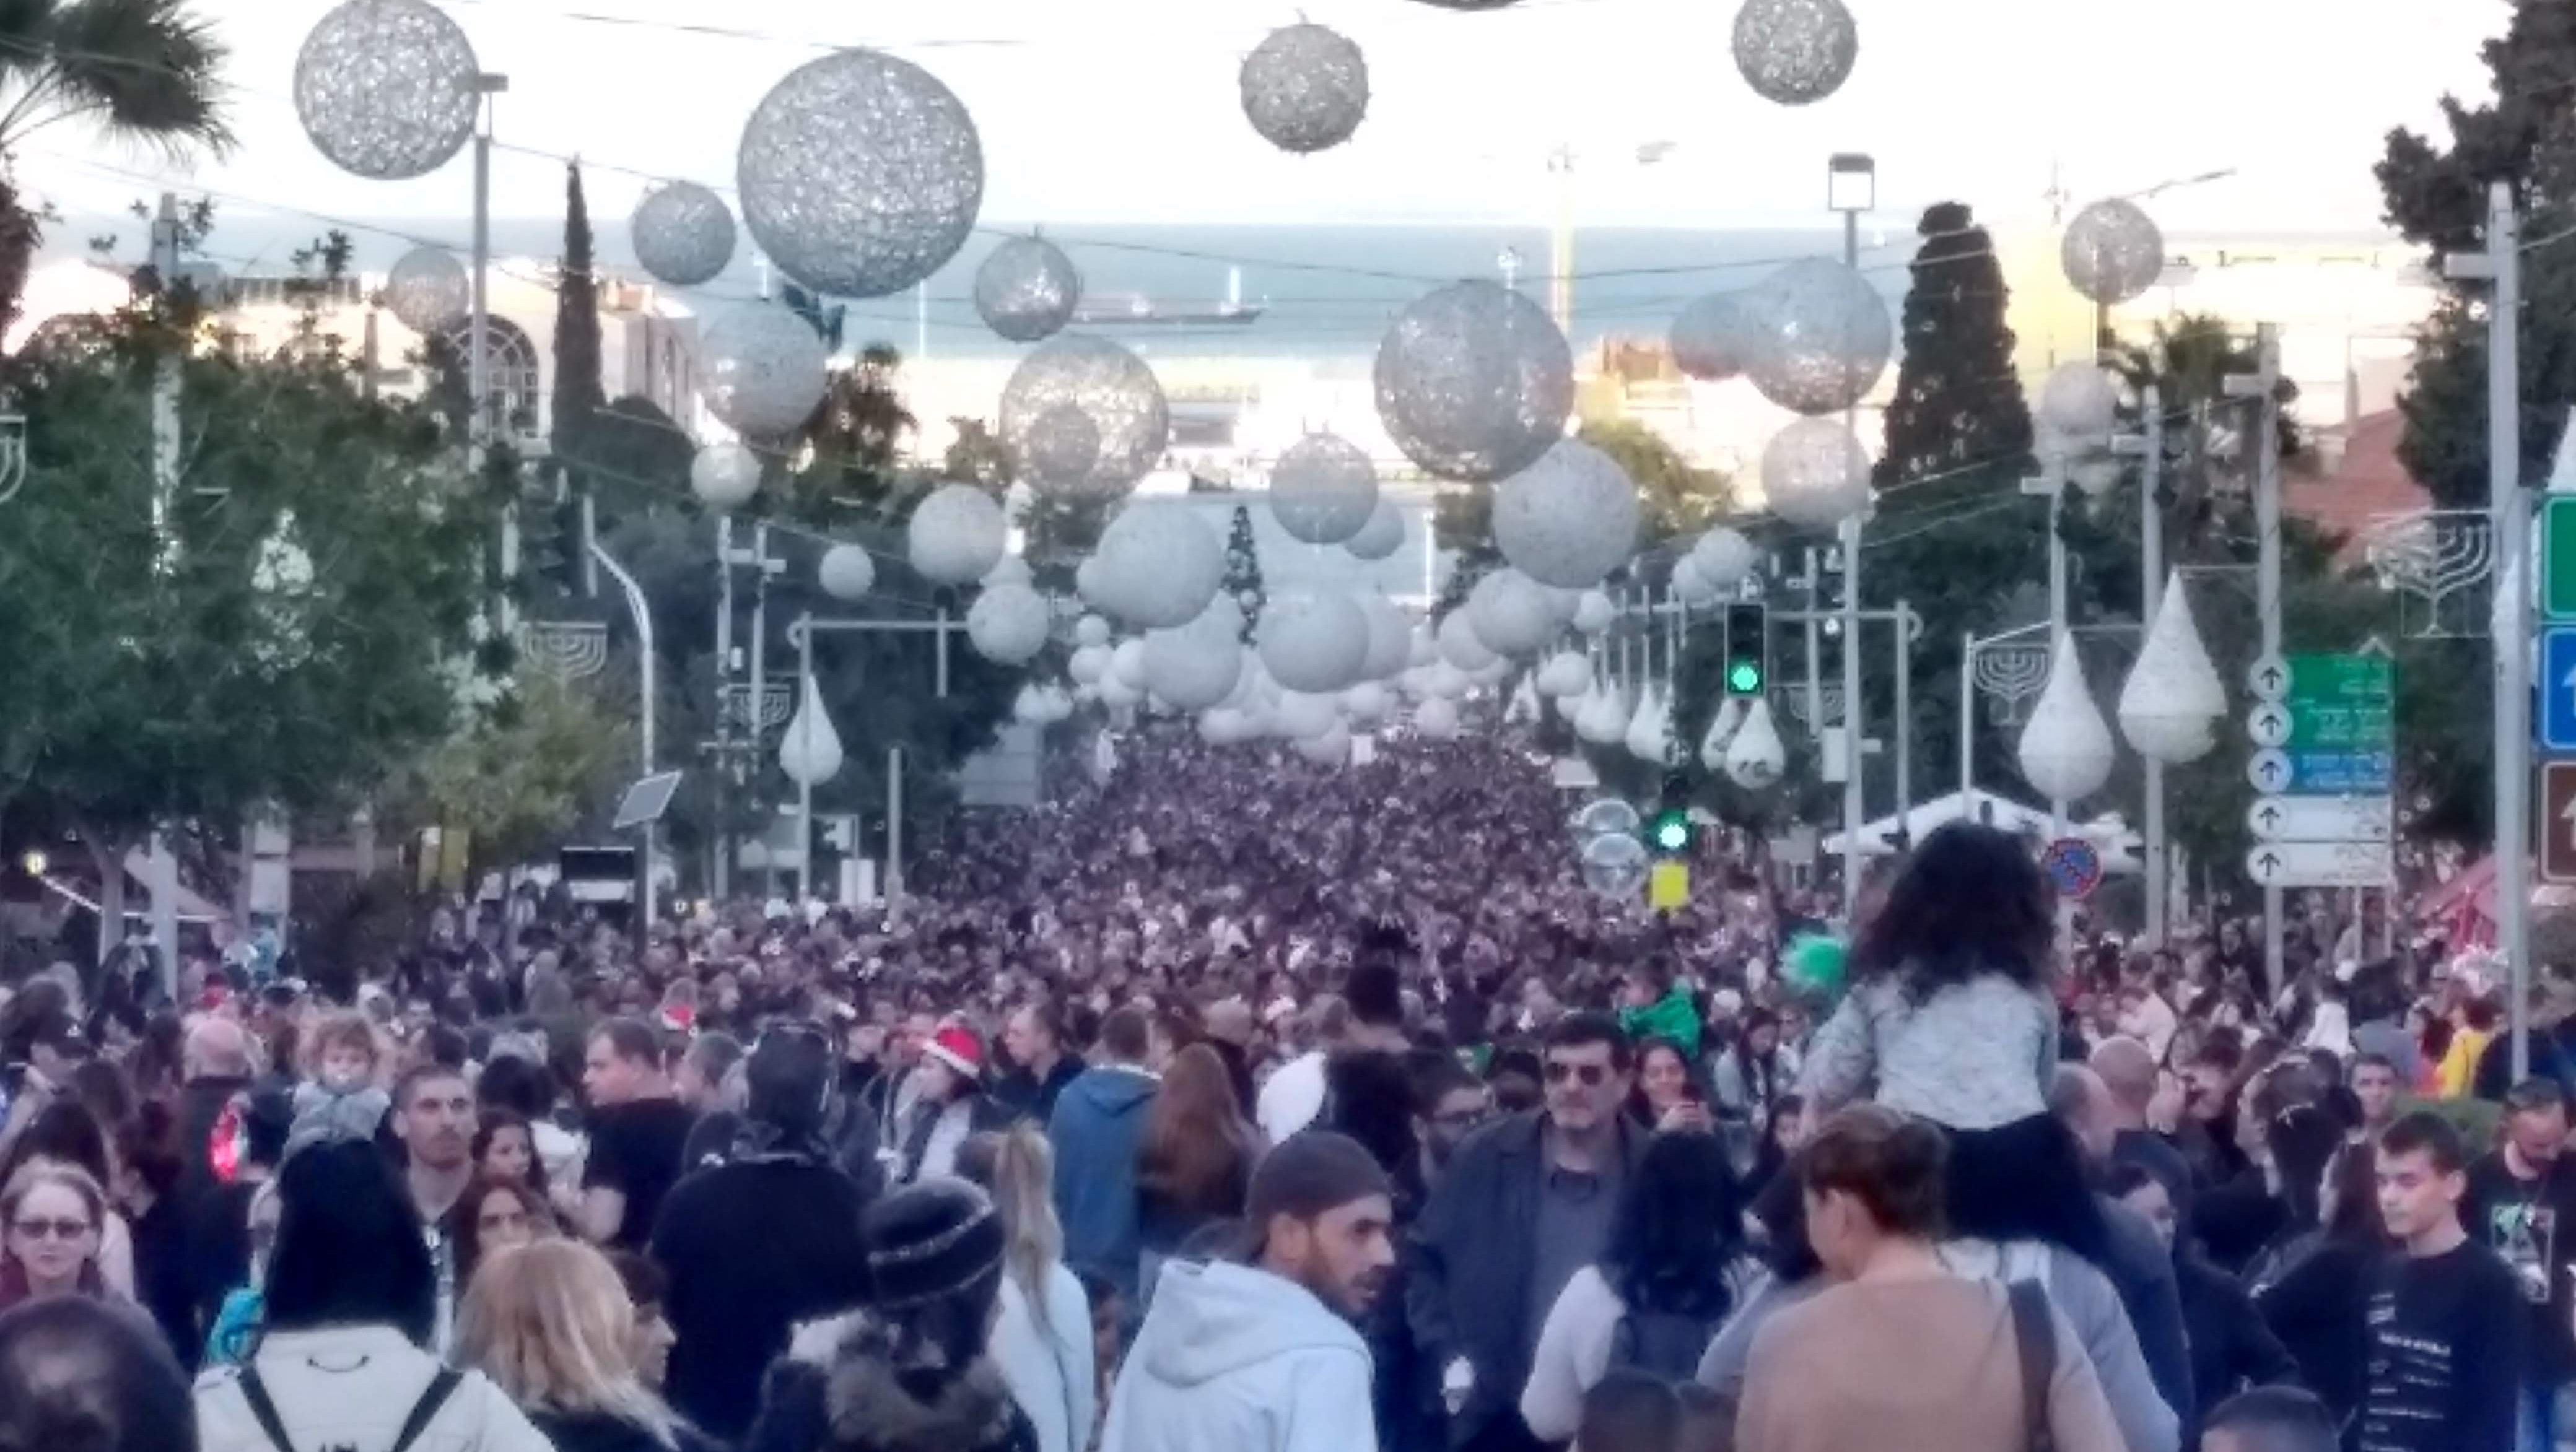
(949,1104)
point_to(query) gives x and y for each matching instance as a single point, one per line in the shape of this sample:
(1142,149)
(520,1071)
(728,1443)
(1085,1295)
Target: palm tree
(144,71)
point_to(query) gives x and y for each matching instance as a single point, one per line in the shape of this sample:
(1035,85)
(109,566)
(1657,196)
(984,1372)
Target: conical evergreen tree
(1957,400)
(578,393)
(1243,570)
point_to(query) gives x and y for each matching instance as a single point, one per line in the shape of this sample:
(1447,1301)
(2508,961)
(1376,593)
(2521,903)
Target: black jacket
(2138,1267)
(836,1391)
(1029,1097)
(2232,1347)
(600,1432)
(1466,1286)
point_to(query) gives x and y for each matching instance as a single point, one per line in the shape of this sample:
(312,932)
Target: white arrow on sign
(2268,724)
(2268,769)
(2321,864)
(2268,678)
(2322,819)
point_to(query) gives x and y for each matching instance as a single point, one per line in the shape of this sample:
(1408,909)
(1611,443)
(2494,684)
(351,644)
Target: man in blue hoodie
(1098,1123)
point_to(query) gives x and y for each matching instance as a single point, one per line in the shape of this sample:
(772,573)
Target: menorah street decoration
(1790,699)
(568,650)
(2011,677)
(13,455)
(2440,563)
(777,701)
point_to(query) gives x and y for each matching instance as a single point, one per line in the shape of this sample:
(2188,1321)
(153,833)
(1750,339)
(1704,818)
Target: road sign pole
(2151,575)
(2263,387)
(2501,266)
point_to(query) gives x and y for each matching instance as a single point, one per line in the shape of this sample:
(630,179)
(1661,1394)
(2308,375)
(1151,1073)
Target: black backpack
(1667,1344)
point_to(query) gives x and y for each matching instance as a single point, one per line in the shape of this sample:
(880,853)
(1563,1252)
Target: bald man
(214,1065)
(2128,1072)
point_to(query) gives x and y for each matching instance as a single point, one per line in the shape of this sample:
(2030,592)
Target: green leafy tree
(1243,570)
(2436,196)
(853,440)
(1678,496)
(545,759)
(146,71)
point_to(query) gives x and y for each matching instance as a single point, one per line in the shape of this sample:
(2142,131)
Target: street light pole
(2262,385)
(2149,443)
(643,612)
(1851,188)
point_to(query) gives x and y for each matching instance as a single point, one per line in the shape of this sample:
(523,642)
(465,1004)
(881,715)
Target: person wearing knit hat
(909,1373)
(949,1104)
(1259,1354)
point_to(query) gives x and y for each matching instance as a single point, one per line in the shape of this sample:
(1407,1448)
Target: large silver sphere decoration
(1724,558)
(1313,640)
(1511,613)
(1063,445)
(1474,382)
(724,476)
(1461,646)
(1711,335)
(847,572)
(386,88)
(1390,644)
(761,370)
(1305,88)
(1568,519)
(2079,402)
(956,536)
(1382,536)
(1159,565)
(1815,474)
(2113,251)
(1106,385)
(1323,490)
(860,174)
(1027,289)
(1793,52)
(1197,666)
(683,234)
(1821,337)
(428,290)
(1008,624)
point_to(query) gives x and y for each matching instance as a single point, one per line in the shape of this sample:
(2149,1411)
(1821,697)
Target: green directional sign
(2343,723)
(2558,557)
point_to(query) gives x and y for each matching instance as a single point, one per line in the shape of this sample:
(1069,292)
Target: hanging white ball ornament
(1594,613)
(1689,585)
(1725,558)
(1711,336)
(1112,390)
(428,292)
(1010,570)
(761,370)
(684,234)
(1474,382)
(1436,719)
(1565,674)
(1815,474)
(1062,447)
(1510,613)
(1195,667)
(724,476)
(956,535)
(2079,402)
(1313,639)
(1026,290)
(2173,699)
(1301,714)
(1382,536)
(1821,336)
(1568,519)
(846,572)
(1305,88)
(1088,664)
(386,88)
(860,173)
(1330,747)
(1159,565)
(1460,646)
(1368,702)
(1091,630)
(1008,624)
(1127,664)
(2113,251)
(1390,638)
(2066,751)
(1794,52)
(1323,490)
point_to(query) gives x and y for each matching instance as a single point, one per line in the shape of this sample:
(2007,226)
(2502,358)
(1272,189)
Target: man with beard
(1259,1355)
(434,1119)
(1448,1104)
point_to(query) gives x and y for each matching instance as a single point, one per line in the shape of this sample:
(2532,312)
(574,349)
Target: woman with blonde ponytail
(1042,1338)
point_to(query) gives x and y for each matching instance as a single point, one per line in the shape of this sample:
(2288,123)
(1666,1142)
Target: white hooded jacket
(1235,1357)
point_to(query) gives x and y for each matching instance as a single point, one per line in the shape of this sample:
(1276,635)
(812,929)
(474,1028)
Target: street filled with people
(1233,1103)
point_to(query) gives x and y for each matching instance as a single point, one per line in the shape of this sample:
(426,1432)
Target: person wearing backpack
(351,1300)
(1655,1299)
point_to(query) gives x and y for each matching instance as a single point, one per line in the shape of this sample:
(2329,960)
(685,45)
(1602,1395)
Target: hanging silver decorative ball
(860,174)
(1474,382)
(2113,251)
(1711,336)
(1323,489)
(1815,474)
(1568,519)
(386,88)
(725,476)
(1821,337)
(1027,289)
(1305,88)
(683,233)
(1063,445)
(1793,52)
(846,572)
(761,371)
(1107,386)
(1382,536)
(428,291)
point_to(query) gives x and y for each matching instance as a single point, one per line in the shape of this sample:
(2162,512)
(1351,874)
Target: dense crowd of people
(1235,1104)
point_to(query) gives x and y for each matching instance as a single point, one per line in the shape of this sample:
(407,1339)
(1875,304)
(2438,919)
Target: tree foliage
(1242,583)
(546,760)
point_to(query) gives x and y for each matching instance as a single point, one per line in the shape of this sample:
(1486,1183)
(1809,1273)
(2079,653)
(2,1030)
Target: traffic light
(1669,832)
(1747,650)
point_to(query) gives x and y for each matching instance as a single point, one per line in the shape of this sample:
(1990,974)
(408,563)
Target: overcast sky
(1125,110)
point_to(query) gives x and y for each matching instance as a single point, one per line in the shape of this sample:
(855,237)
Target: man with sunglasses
(1526,1202)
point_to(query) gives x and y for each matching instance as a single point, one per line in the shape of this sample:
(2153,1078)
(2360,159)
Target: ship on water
(1136,309)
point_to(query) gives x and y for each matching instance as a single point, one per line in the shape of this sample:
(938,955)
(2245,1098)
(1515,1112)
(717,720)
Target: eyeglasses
(55,1229)
(1592,1076)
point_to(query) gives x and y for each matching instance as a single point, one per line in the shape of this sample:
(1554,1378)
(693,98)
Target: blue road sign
(2338,773)
(2558,688)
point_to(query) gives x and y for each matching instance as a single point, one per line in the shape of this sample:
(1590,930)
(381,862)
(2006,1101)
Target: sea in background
(1326,292)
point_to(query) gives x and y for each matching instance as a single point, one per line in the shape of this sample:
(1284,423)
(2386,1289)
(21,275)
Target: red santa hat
(955,1045)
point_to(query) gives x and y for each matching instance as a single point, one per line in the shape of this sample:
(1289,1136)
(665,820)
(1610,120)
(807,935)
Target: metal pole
(725,759)
(2267,529)
(2057,621)
(478,367)
(1855,798)
(2510,520)
(804,633)
(1901,660)
(163,866)
(894,833)
(1967,726)
(1815,652)
(2151,554)
(759,685)
(645,667)
(939,643)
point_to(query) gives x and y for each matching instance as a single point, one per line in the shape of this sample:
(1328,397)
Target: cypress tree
(579,393)
(1957,400)
(1243,570)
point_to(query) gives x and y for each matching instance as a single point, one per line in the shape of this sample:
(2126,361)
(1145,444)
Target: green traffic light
(1744,678)
(1671,832)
